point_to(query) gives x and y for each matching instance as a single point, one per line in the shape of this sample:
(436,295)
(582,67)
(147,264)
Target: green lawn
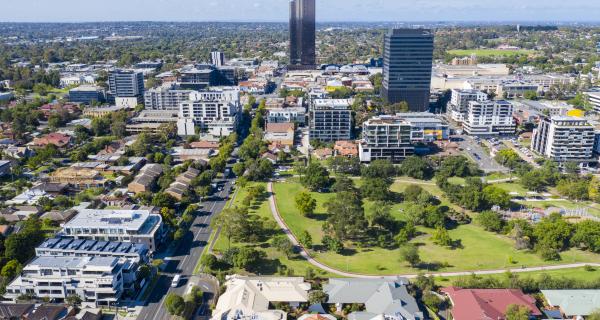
(274,257)
(498,176)
(480,250)
(512,187)
(577,274)
(489,52)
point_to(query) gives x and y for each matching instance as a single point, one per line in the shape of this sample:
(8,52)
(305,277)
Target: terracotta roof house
(323,153)
(214,145)
(58,139)
(487,304)
(280,133)
(49,312)
(346,148)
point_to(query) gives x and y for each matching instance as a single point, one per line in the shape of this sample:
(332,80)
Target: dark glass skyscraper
(302,34)
(407,63)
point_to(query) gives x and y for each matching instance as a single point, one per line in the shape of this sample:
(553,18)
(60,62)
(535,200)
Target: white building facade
(564,139)
(217,112)
(488,118)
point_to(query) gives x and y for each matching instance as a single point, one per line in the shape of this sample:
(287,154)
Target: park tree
(381,217)
(410,254)
(587,235)
(344,184)
(490,221)
(346,217)
(441,237)
(416,167)
(383,169)
(283,245)
(496,197)
(377,189)
(175,304)
(508,158)
(552,235)
(305,239)
(315,177)
(306,204)
(247,258)
(73,300)
(233,223)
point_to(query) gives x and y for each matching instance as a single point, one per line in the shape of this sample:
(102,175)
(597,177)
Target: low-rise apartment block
(284,115)
(134,226)
(386,137)
(166,97)
(98,281)
(145,179)
(488,118)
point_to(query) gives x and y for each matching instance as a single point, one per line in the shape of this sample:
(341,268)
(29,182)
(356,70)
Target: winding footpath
(306,255)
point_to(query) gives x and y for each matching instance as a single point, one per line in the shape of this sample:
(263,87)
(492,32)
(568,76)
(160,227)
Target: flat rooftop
(69,244)
(134,220)
(72,262)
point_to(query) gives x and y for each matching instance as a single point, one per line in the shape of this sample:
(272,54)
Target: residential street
(185,259)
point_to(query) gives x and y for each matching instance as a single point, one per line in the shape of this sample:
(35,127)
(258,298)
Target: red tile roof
(487,304)
(280,127)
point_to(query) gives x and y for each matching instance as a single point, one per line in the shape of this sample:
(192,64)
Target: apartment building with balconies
(330,120)
(564,139)
(489,118)
(386,137)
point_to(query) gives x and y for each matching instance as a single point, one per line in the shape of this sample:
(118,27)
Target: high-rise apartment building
(330,120)
(302,34)
(407,65)
(217,112)
(564,139)
(126,87)
(458,107)
(217,58)
(485,118)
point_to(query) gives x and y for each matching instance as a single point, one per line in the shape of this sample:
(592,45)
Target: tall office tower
(407,63)
(302,34)
(217,58)
(126,87)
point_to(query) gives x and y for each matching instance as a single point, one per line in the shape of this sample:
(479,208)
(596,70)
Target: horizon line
(547,21)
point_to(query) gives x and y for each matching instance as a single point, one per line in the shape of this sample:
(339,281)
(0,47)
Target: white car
(175,282)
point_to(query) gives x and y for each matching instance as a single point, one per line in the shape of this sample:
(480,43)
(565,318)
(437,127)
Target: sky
(277,10)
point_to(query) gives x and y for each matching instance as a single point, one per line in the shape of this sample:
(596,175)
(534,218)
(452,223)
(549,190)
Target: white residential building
(97,281)
(386,137)
(459,102)
(330,120)
(248,298)
(217,112)
(166,97)
(594,99)
(489,118)
(564,139)
(135,226)
(285,115)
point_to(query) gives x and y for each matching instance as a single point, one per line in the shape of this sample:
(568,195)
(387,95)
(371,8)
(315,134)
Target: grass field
(512,187)
(274,257)
(489,52)
(480,250)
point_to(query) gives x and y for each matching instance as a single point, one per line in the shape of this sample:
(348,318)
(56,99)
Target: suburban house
(383,298)
(573,304)
(250,297)
(478,304)
(205,144)
(5,166)
(78,178)
(280,133)
(145,179)
(346,148)
(58,139)
(182,183)
(323,153)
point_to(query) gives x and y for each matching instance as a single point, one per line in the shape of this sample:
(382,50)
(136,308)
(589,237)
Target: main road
(185,257)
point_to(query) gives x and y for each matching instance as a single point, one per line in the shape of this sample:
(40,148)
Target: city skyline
(277,11)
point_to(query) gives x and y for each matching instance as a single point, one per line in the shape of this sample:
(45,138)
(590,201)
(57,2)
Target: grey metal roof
(380,296)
